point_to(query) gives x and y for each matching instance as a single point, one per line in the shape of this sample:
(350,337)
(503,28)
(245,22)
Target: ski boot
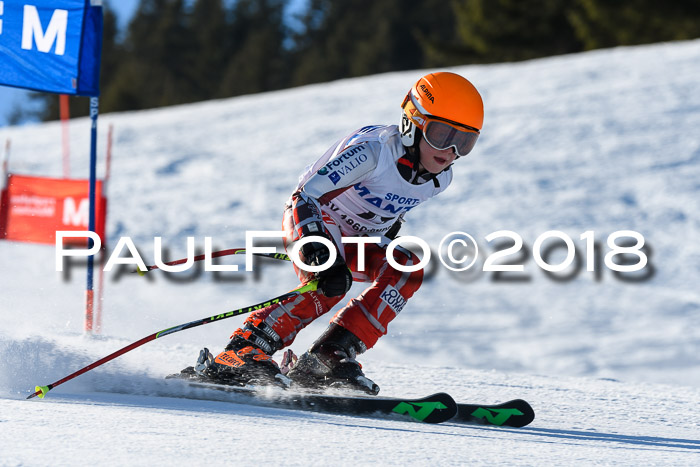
(330,363)
(246,359)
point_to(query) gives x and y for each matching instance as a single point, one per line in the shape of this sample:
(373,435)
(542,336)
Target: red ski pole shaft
(42,390)
(217,254)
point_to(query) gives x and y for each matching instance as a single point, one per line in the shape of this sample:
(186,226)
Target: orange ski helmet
(448,106)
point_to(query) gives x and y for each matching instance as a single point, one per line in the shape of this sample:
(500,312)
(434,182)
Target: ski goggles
(441,133)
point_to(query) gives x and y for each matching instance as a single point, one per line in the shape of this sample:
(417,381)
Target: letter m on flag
(55,33)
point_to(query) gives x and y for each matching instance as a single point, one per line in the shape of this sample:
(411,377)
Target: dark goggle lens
(443,136)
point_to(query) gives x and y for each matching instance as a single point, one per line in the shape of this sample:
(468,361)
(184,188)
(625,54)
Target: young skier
(362,186)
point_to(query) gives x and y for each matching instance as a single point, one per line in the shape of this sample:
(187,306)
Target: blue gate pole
(89,295)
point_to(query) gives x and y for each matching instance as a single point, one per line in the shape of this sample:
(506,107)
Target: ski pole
(42,390)
(216,254)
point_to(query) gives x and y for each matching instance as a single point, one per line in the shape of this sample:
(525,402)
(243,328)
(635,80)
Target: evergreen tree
(507,30)
(155,71)
(341,39)
(178,51)
(609,23)
(257,61)
(211,47)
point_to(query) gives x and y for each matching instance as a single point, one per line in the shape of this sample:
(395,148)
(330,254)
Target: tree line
(179,51)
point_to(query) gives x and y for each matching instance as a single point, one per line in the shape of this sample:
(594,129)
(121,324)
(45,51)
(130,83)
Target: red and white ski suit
(359,187)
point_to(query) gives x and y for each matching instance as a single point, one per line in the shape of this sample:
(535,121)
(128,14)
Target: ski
(436,408)
(516,413)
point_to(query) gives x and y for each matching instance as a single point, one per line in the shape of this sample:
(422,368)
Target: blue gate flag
(51,45)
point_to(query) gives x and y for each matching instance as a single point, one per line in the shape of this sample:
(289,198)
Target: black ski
(516,413)
(436,408)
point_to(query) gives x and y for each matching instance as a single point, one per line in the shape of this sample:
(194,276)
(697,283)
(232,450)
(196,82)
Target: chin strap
(408,166)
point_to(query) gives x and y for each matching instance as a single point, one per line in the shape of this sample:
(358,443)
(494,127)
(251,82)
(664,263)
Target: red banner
(32,209)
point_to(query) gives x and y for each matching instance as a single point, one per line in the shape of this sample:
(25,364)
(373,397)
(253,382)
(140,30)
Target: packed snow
(603,141)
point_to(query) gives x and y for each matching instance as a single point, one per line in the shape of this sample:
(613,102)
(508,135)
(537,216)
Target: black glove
(334,281)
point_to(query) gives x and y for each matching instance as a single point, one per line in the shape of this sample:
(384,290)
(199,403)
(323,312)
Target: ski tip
(140,272)
(39,391)
(516,413)
(528,414)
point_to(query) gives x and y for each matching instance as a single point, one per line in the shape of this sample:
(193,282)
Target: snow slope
(579,421)
(601,141)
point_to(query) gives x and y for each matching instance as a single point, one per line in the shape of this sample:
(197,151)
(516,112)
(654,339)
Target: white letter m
(55,33)
(73,215)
